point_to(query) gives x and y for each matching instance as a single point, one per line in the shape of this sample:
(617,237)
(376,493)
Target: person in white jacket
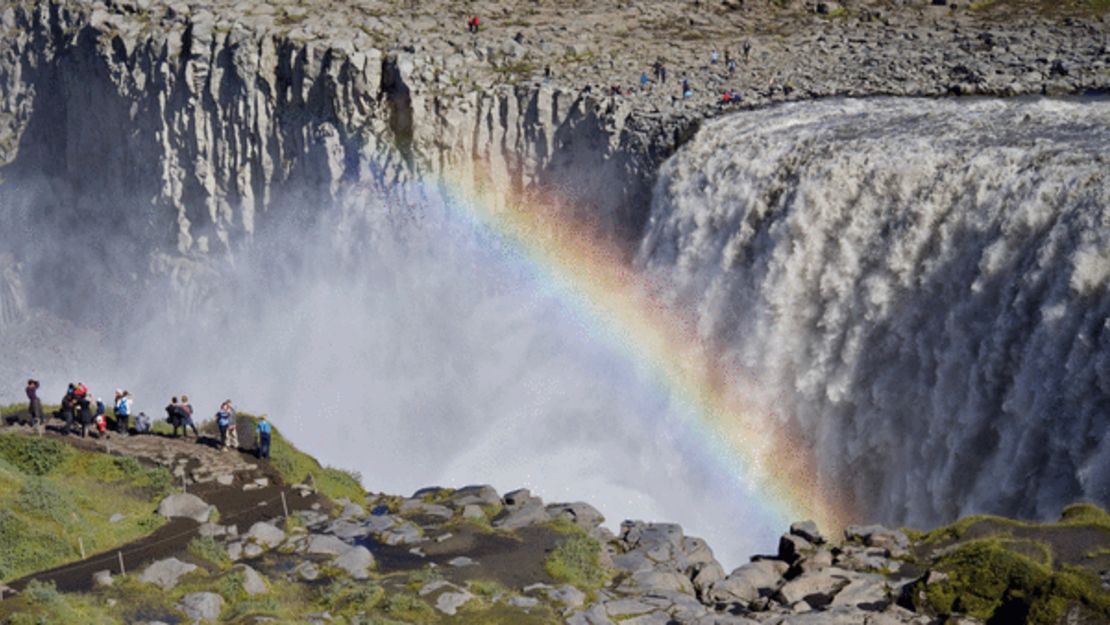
(123,410)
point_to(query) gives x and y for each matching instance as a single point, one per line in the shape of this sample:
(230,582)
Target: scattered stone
(102,578)
(307,571)
(450,602)
(166,573)
(356,561)
(581,514)
(253,582)
(234,551)
(326,544)
(186,505)
(116,518)
(518,601)
(461,561)
(202,607)
(473,511)
(265,535)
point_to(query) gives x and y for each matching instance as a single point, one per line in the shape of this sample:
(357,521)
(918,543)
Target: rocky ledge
(242,545)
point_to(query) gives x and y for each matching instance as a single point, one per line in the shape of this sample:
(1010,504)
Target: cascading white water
(925,282)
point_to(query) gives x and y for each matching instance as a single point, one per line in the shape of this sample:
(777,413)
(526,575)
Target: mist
(389,336)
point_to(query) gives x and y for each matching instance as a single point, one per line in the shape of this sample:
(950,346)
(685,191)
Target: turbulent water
(924,282)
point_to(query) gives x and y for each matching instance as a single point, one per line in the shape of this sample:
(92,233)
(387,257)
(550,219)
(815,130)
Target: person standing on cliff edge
(263,430)
(34,406)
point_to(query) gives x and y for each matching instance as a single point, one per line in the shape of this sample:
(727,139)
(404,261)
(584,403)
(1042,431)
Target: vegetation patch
(989,581)
(54,500)
(295,466)
(577,560)
(210,550)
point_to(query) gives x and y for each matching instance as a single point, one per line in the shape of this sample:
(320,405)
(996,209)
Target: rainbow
(750,445)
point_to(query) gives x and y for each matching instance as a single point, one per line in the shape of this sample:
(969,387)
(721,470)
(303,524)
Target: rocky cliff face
(213,123)
(202,116)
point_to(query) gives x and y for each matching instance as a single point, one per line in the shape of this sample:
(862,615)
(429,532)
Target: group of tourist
(80,412)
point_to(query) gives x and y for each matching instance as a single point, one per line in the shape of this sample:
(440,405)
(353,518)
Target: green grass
(1075,515)
(576,560)
(295,466)
(988,581)
(210,550)
(52,495)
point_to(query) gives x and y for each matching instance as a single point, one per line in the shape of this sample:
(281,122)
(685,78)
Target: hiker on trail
(99,419)
(686,92)
(142,424)
(224,420)
(263,430)
(713,57)
(662,73)
(84,409)
(473,24)
(644,82)
(747,49)
(187,410)
(176,416)
(68,408)
(732,67)
(34,406)
(123,410)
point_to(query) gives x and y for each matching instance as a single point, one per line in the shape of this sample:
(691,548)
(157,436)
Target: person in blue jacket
(263,429)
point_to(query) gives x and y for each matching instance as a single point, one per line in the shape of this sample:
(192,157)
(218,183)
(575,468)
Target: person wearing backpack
(263,430)
(224,418)
(100,420)
(123,410)
(174,416)
(187,419)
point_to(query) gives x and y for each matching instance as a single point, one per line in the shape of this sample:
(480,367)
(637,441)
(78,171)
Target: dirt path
(235,505)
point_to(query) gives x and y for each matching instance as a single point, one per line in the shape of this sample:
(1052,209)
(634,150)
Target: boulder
(816,589)
(202,607)
(234,551)
(325,544)
(519,498)
(356,561)
(567,595)
(793,548)
(866,592)
(516,517)
(749,583)
(706,575)
(253,582)
(102,578)
(450,602)
(474,495)
(473,511)
(185,505)
(404,534)
(265,535)
(166,573)
(807,530)
(656,580)
(581,514)
(307,570)
(893,541)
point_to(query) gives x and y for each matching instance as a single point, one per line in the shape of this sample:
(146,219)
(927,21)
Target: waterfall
(923,283)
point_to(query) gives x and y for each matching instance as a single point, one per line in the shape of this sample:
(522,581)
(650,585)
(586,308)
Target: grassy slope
(51,495)
(1004,570)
